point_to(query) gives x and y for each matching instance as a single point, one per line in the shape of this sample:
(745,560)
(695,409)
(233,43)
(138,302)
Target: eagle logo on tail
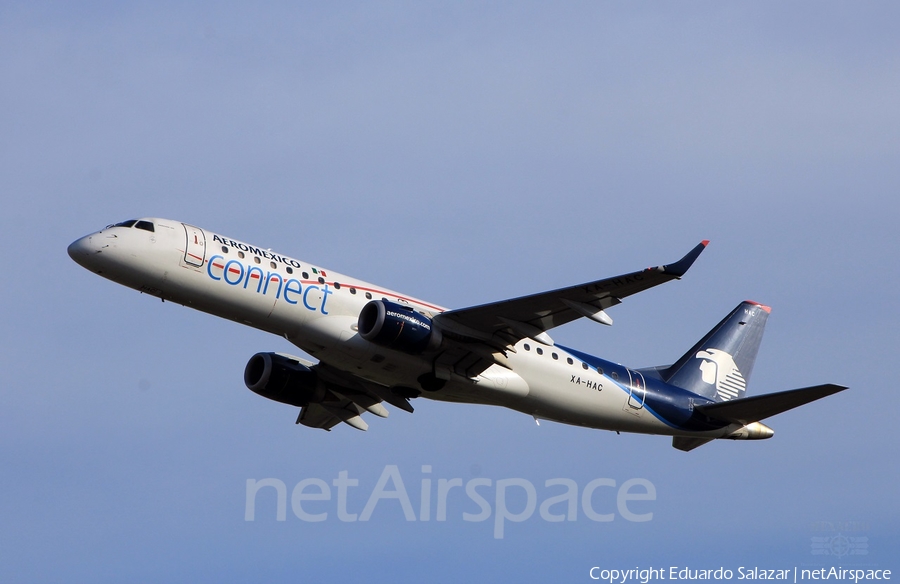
(718,368)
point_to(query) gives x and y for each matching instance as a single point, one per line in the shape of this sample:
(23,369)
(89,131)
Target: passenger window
(369,295)
(145,225)
(569,360)
(527,347)
(224,249)
(584,365)
(539,351)
(600,370)
(337,285)
(305,275)
(321,280)
(290,270)
(241,254)
(256,259)
(555,356)
(615,375)
(352,290)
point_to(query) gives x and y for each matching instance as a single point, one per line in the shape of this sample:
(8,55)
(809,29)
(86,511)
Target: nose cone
(82,250)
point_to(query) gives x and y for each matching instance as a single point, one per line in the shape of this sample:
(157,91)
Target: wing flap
(363,400)
(316,416)
(467,360)
(327,415)
(345,398)
(351,385)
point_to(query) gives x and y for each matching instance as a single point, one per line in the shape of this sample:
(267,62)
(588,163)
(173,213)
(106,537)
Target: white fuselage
(317,310)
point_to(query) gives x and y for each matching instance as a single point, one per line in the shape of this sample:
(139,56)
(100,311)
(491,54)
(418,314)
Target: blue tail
(719,366)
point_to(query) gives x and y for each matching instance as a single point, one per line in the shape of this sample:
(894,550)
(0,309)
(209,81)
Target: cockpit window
(129,223)
(145,225)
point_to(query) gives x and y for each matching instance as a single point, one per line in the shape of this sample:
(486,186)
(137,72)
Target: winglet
(679,268)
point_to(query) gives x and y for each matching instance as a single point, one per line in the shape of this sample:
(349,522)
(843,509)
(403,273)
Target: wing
(484,334)
(346,397)
(500,325)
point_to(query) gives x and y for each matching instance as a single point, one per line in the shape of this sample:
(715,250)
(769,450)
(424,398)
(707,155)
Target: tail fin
(719,366)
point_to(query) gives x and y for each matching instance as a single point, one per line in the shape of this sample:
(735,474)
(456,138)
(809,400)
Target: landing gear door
(195,246)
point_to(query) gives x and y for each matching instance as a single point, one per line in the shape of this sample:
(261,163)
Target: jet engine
(281,378)
(399,327)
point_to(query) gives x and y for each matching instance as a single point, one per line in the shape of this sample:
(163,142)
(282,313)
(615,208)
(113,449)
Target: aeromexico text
(476,500)
(255,250)
(234,273)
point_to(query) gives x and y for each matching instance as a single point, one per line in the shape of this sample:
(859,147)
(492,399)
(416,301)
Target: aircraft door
(195,246)
(638,390)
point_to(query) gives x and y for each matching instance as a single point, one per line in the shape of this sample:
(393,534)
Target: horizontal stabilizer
(753,409)
(688,443)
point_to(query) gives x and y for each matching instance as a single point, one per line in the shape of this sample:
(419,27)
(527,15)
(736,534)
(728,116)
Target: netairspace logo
(840,538)
(600,499)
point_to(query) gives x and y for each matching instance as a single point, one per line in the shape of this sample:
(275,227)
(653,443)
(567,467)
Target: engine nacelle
(399,327)
(281,378)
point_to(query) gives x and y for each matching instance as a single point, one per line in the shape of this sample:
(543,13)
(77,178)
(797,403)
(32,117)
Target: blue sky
(461,153)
